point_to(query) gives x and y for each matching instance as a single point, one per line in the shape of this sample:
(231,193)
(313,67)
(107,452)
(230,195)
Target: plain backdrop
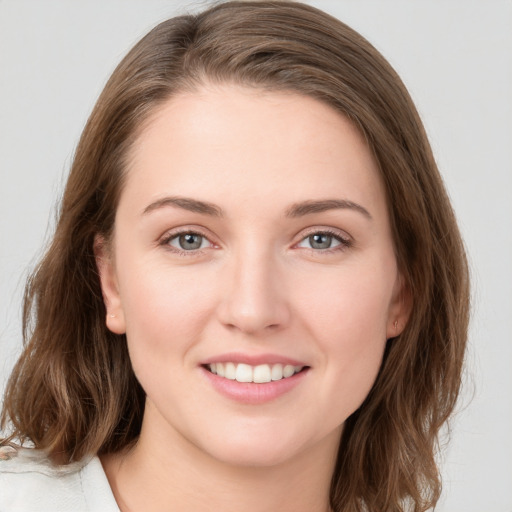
(455,56)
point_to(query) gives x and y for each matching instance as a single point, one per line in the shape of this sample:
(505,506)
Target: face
(253,272)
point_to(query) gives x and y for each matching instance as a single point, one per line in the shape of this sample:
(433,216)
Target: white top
(29,482)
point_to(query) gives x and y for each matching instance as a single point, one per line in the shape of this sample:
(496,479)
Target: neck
(160,474)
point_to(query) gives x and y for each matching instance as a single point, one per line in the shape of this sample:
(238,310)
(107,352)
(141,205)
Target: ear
(115,320)
(399,308)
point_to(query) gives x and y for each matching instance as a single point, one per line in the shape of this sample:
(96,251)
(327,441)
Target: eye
(323,240)
(188,241)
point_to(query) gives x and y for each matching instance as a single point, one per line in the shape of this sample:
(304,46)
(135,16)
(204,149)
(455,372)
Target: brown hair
(73,391)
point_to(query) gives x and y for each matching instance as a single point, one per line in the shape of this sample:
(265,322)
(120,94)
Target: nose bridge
(255,298)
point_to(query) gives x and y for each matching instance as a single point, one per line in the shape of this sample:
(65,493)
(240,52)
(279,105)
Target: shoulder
(29,482)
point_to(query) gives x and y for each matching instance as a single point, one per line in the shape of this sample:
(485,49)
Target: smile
(259,374)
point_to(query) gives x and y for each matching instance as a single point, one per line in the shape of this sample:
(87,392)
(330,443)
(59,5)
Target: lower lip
(253,393)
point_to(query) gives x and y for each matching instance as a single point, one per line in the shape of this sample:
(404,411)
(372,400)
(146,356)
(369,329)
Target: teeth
(277,372)
(243,373)
(262,373)
(288,371)
(230,371)
(259,374)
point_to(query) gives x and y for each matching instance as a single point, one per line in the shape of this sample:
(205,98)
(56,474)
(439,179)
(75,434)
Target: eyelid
(338,233)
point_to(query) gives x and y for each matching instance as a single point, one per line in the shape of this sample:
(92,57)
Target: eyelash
(344,242)
(181,252)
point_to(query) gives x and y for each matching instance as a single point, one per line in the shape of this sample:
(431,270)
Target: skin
(256,286)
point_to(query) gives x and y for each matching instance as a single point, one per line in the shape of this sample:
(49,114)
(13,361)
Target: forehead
(234,142)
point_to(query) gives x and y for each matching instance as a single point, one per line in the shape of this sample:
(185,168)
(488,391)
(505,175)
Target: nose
(255,296)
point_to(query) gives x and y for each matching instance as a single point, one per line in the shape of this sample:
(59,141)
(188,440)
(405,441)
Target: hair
(73,391)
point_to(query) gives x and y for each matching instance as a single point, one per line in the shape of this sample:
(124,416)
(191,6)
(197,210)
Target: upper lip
(252,359)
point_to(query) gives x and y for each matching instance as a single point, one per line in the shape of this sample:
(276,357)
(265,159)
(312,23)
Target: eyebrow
(299,209)
(186,203)
(308,207)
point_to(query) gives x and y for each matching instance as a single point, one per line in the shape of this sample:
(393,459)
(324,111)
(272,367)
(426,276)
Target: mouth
(259,374)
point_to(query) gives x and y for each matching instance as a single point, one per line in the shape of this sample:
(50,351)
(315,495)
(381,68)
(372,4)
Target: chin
(268,447)
(255,455)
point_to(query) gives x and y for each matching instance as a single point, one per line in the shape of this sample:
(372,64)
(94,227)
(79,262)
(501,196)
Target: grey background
(455,57)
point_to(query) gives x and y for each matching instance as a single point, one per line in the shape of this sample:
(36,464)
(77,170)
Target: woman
(256,297)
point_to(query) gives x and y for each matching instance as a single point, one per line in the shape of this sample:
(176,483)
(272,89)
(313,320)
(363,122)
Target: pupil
(320,241)
(190,241)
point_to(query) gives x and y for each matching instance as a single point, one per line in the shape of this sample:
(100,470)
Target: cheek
(348,323)
(165,312)
(348,305)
